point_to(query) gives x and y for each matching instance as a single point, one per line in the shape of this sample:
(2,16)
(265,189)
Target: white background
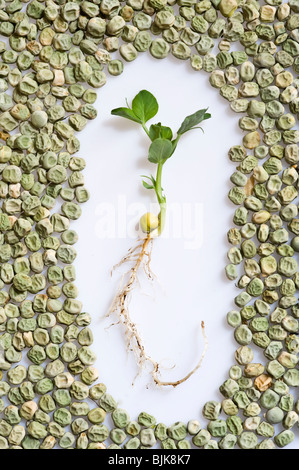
(191,283)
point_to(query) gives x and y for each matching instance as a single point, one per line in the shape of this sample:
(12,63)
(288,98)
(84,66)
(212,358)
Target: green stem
(145,130)
(175,142)
(161,198)
(158,188)
(162,217)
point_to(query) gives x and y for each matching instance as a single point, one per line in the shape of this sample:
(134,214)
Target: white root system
(141,256)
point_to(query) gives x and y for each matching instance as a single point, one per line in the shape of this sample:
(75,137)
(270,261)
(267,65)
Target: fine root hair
(140,255)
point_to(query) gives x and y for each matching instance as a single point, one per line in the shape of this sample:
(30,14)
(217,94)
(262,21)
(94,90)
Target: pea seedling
(162,147)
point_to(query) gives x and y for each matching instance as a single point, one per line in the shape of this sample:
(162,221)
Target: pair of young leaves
(144,108)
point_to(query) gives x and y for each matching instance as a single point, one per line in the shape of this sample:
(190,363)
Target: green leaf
(145,106)
(147,186)
(126,113)
(160,149)
(151,178)
(157,130)
(190,122)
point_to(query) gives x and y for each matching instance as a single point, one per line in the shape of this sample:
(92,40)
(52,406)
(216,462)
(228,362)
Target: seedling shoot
(162,147)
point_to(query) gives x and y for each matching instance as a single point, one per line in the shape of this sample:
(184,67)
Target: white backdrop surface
(188,260)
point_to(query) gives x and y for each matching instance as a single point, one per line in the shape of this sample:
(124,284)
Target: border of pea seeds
(54,55)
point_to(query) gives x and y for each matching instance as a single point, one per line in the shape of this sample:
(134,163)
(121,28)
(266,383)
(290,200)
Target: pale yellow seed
(283,11)
(28,409)
(28,339)
(261,217)
(14,190)
(46,36)
(58,78)
(227,7)
(149,222)
(251,140)
(267,13)
(284,79)
(17,435)
(253,370)
(12,220)
(97,445)
(263,382)
(48,443)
